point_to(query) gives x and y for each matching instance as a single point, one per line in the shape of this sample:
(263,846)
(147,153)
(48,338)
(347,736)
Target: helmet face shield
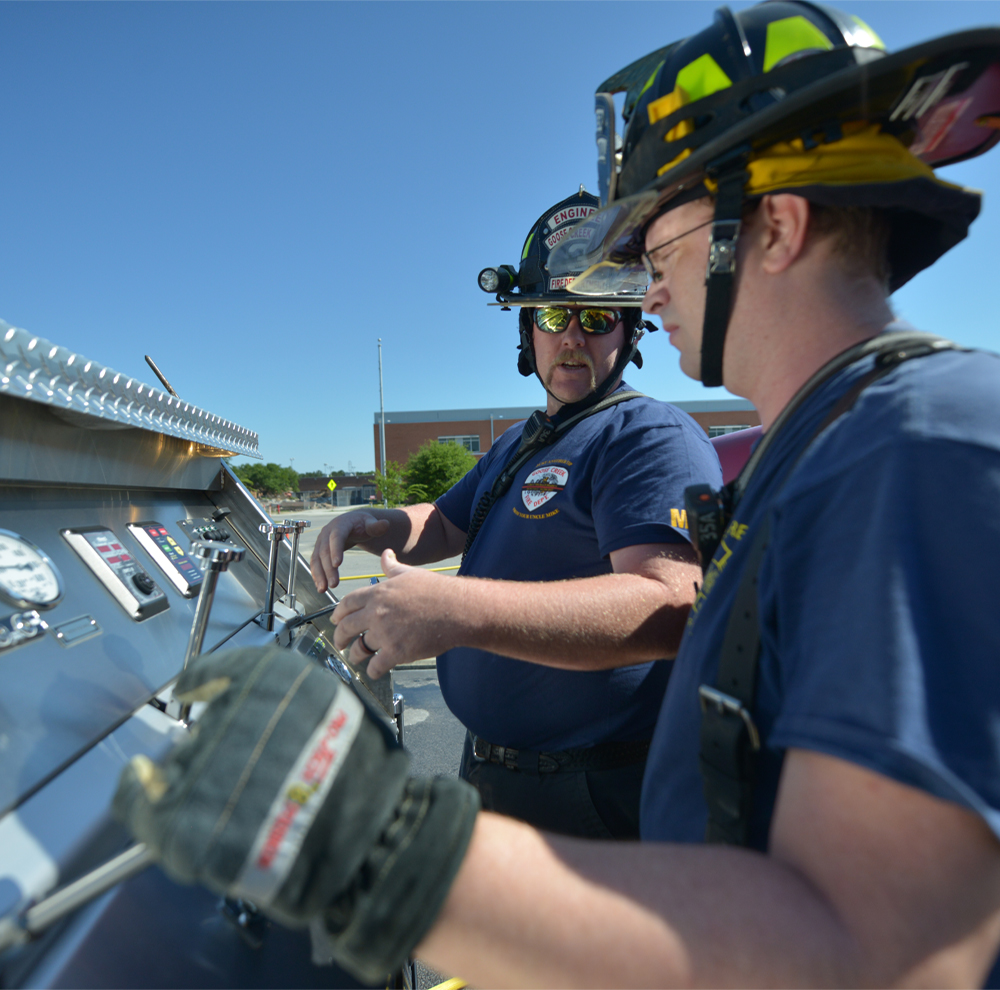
(600,252)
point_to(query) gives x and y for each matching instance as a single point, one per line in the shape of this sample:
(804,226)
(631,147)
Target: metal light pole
(381,432)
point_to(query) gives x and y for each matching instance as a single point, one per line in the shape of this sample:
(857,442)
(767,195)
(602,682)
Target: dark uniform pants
(592,804)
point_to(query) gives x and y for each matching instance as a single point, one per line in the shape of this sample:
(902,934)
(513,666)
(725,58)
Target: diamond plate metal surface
(36,369)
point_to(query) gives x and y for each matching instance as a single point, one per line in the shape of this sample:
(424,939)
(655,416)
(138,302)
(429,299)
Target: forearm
(588,623)
(416,534)
(528,909)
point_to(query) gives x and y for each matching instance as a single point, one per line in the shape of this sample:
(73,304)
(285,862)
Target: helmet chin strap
(720,275)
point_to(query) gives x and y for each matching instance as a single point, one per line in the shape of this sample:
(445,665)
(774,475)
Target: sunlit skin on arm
(633,615)
(867,883)
(419,534)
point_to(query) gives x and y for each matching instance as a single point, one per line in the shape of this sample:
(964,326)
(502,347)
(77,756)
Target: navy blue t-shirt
(616,479)
(880,628)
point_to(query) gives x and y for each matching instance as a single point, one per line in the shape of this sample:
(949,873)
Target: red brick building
(476,429)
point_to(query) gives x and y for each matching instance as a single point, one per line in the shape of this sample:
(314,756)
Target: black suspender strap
(538,433)
(730,739)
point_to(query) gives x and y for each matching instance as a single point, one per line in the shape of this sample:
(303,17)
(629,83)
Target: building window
(721,431)
(470,443)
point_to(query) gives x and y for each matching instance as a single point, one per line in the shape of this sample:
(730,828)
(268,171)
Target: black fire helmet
(789,96)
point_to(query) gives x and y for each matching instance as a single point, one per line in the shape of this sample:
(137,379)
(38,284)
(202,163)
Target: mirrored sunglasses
(555,319)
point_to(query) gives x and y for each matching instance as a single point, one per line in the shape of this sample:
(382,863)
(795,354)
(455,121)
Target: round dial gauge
(28,579)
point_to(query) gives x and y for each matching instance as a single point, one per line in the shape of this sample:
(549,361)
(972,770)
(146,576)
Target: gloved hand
(290,794)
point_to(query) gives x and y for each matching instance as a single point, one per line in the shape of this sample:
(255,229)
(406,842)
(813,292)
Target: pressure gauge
(28,579)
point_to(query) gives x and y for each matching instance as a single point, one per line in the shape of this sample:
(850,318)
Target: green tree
(313,474)
(394,489)
(435,467)
(267,479)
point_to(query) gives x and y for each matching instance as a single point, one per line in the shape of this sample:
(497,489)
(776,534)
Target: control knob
(143,582)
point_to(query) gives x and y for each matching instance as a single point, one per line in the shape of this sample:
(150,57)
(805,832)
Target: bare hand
(349,530)
(411,615)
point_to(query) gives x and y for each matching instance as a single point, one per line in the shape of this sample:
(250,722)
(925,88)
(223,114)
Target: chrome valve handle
(294,527)
(275,532)
(218,557)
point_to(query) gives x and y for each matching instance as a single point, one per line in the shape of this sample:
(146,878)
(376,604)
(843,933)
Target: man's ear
(782,223)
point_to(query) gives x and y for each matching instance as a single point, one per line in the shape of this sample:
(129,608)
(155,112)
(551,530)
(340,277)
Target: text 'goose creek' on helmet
(787,96)
(531,285)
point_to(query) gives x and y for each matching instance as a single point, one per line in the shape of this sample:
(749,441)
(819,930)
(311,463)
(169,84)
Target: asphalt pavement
(431,734)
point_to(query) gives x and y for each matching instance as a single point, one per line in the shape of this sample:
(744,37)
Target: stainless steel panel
(149,932)
(37,447)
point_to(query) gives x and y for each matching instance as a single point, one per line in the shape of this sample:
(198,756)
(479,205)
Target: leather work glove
(290,794)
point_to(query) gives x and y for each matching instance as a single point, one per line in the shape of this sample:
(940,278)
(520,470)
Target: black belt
(604,756)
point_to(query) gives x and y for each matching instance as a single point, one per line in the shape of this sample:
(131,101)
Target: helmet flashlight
(499,279)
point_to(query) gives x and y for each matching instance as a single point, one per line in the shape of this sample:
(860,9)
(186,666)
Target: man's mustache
(567,358)
(581,358)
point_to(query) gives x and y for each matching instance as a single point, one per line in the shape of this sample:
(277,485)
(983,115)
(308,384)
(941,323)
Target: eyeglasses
(555,319)
(647,259)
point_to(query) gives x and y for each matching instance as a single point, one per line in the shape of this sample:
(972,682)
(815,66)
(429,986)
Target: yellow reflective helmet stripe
(702,77)
(863,156)
(791,35)
(699,79)
(527,244)
(696,80)
(664,107)
(865,36)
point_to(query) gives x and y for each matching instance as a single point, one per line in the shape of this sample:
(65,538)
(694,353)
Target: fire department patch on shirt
(541,485)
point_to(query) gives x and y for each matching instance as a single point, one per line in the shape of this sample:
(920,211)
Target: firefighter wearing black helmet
(559,702)
(831,728)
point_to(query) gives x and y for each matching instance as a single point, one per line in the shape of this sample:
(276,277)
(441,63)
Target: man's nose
(573,335)
(656,297)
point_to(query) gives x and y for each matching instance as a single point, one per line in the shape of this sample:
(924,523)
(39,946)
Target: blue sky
(254,193)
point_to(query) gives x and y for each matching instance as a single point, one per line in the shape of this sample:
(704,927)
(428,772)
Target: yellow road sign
(331,484)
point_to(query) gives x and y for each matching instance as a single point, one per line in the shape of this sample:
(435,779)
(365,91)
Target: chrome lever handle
(218,557)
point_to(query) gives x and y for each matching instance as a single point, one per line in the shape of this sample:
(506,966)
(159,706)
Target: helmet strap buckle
(722,252)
